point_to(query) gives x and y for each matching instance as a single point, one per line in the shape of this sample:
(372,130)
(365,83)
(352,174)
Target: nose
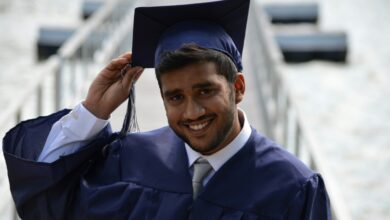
(193,110)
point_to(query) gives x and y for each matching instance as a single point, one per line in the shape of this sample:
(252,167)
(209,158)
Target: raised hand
(111,88)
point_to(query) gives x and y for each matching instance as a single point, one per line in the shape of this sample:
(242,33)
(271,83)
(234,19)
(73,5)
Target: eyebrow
(202,85)
(196,86)
(171,92)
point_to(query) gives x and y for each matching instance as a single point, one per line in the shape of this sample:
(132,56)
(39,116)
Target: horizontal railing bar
(120,36)
(29,88)
(83,33)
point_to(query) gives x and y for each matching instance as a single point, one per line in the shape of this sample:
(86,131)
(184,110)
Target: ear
(239,87)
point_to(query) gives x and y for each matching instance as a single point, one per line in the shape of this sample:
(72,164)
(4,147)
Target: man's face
(201,106)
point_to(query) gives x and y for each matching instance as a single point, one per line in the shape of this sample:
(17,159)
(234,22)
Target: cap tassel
(130,123)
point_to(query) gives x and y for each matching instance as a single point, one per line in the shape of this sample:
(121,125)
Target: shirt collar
(220,157)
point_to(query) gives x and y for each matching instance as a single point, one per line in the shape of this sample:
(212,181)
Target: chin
(205,150)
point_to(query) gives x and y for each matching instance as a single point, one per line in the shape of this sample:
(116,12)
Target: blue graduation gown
(145,176)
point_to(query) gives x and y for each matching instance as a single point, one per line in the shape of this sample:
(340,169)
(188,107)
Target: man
(208,164)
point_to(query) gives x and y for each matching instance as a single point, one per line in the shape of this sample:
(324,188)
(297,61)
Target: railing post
(58,87)
(18,115)
(39,100)
(312,163)
(84,58)
(73,69)
(285,120)
(297,139)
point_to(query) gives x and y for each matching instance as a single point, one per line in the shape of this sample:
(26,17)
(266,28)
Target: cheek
(171,113)
(222,101)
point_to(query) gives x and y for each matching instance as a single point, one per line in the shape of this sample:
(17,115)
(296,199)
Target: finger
(131,76)
(136,77)
(127,55)
(117,64)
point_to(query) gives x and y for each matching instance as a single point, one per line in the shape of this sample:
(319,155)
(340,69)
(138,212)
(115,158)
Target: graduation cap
(218,25)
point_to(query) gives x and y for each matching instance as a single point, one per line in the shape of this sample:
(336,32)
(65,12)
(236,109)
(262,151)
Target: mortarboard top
(218,25)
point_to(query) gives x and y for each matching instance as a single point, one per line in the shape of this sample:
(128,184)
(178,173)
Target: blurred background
(318,76)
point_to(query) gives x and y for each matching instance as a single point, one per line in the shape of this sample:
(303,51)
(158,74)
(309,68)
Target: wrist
(95,110)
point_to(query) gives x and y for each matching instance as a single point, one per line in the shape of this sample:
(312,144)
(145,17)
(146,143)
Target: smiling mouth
(199,125)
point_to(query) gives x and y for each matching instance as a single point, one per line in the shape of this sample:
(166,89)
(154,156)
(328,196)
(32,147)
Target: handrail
(83,33)
(15,107)
(53,65)
(283,115)
(102,26)
(104,33)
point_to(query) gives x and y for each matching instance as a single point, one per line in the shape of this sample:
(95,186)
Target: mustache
(201,118)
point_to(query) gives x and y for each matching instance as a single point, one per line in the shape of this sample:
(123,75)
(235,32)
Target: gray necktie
(201,169)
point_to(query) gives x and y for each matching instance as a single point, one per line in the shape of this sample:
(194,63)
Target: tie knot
(201,169)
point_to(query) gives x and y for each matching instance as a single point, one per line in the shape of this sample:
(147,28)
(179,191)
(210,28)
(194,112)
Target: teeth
(198,126)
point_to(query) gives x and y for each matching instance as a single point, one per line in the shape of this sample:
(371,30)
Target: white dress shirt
(70,133)
(80,126)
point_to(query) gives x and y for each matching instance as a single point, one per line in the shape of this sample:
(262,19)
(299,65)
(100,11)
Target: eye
(206,92)
(175,98)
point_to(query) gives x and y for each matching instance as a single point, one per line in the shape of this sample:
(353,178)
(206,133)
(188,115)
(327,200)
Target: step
(287,13)
(50,39)
(303,47)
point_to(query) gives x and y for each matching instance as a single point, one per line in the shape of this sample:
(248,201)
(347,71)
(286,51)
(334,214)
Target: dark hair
(192,53)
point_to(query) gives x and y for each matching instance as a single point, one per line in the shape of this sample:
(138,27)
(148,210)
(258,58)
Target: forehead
(190,75)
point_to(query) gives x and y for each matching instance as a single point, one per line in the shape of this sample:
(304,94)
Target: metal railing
(103,36)
(282,119)
(62,78)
